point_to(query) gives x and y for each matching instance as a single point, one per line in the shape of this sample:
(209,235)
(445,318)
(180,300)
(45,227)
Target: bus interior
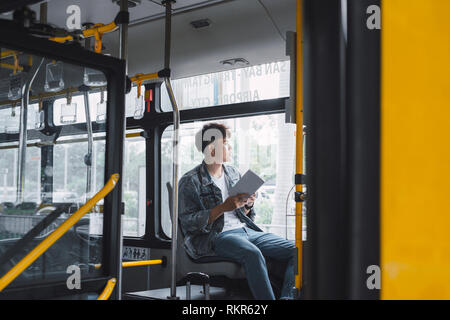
(100,103)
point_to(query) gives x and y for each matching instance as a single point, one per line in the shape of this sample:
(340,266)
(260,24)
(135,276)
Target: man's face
(219,151)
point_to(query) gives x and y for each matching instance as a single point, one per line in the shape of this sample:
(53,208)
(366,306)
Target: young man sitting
(216,224)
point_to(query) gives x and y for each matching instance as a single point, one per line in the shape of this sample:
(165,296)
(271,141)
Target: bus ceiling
(202,35)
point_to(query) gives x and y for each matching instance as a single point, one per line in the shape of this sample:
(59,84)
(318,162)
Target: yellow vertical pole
(299,146)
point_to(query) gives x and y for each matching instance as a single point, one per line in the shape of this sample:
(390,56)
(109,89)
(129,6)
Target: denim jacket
(197,195)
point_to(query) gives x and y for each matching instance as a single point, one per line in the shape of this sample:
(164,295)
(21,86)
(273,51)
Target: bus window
(32,186)
(68,161)
(10,117)
(262,82)
(266,145)
(133,185)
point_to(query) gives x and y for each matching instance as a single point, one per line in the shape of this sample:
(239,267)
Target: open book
(249,183)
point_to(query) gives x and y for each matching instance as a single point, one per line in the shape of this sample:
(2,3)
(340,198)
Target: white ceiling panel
(250,29)
(240,29)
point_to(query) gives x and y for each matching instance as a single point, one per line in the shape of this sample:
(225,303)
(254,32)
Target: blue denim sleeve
(192,214)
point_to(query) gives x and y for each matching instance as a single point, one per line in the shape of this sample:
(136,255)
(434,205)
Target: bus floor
(221,288)
(197,293)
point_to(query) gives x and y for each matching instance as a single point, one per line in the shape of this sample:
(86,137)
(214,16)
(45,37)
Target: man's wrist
(247,207)
(215,213)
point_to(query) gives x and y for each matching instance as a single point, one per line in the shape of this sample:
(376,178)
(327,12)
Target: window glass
(266,145)
(262,82)
(9,124)
(54,172)
(8,174)
(33,119)
(133,184)
(10,118)
(70,170)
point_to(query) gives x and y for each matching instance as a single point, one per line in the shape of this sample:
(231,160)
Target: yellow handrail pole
(99,28)
(58,233)
(143,77)
(133,135)
(135,263)
(106,293)
(16,63)
(10,66)
(96,31)
(299,147)
(141,263)
(8,53)
(61,39)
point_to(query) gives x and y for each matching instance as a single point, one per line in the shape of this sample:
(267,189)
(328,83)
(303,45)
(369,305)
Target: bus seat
(212,266)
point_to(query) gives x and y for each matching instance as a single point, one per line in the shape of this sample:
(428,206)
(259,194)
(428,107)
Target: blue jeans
(248,247)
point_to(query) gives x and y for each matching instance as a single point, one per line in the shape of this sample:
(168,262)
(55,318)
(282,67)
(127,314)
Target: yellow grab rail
(136,263)
(61,39)
(58,233)
(108,289)
(133,135)
(99,28)
(141,263)
(8,53)
(10,66)
(96,31)
(143,77)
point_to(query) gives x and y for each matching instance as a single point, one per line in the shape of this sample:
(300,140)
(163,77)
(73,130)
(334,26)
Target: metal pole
(123,36)
(176,130)
(176,133)
(23,131)
(123,54)
(43,13)
(88,157)
(168,4)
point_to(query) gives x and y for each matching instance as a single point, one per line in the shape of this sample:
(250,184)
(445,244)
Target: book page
(249,183)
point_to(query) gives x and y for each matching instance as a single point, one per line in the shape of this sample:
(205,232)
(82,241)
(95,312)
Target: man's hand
(235,202)
(251,200)
(231,203)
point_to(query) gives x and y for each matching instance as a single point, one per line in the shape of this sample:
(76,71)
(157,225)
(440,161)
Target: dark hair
(206,136)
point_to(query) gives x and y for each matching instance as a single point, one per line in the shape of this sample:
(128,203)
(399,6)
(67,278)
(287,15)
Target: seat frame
(212,266)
